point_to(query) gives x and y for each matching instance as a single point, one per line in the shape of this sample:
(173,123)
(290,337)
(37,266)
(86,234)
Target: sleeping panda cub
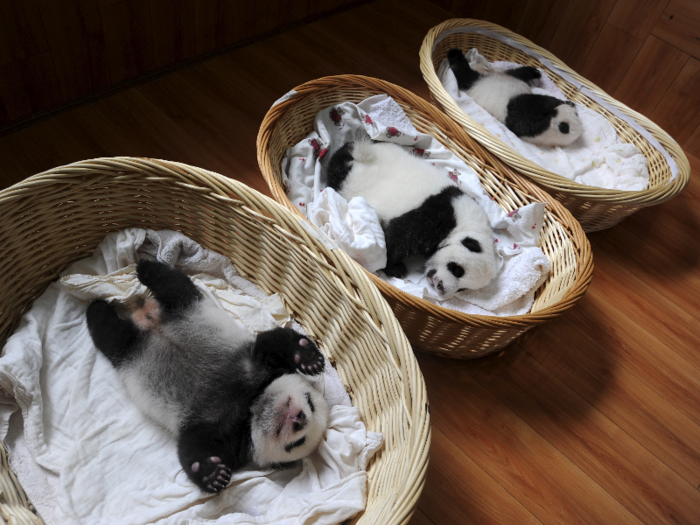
(422,212)
(506,95)
(228,396)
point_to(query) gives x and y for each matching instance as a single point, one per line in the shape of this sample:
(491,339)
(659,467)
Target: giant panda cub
(422,212)
(506,95)
(228,396)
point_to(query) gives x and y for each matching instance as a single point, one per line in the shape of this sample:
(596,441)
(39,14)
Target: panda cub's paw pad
(214,474)
(308,357)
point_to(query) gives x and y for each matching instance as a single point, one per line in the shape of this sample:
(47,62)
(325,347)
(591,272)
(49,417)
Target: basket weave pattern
(429,327)
(595,208)
(53,219)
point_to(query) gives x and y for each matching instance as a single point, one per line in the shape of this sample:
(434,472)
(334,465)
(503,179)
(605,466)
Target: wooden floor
(592,418)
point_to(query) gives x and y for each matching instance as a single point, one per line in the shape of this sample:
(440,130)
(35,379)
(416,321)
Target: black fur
(471,244)
(526,112)
(216,438)
(339,166)
(420,231)
(465,75)
(524,73)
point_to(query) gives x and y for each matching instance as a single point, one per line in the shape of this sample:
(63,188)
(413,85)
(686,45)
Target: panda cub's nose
(440,287)
(299,421)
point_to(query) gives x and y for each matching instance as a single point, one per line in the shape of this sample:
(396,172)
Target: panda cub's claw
(218,477)
(308,358)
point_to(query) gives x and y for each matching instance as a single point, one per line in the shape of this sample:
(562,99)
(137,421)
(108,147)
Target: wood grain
(610,58)
(637,17)
(678,112)
(692,145)
(173,24)
(74,32)
(540,20)
(650,75)
(631,474)
(21,31)
(29,85)
(578,30)
(678,25)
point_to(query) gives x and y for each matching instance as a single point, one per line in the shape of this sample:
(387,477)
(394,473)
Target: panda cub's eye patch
(471,244)
(455,269)
(564,127)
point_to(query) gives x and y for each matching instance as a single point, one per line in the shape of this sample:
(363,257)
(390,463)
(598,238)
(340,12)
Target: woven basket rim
(649,197)
(584,267)
(358,288)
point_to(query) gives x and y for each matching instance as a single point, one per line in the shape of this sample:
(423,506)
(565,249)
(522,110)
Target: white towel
(597,158)
(355,227)
(102,461)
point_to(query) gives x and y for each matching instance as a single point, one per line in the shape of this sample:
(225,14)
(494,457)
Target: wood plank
(654,69)
(28,85)
(457,490)
(678,25)
(173,23)
(21,31)
(128,36)
(678,111)
(610,58)
(579,29)
(630,346)
(534,472)
(627,471)
(637,17)
(614,391)
(540,20)
(74,32)
(505,13)
(692,145)
(469,8)
(419,518)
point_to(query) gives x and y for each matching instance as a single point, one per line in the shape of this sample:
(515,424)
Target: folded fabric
(94,458)
(355,227)
(597,158)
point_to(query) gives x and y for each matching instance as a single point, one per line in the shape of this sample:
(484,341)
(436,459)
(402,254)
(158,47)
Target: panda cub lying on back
(422,212)
(505,94)
(228,396)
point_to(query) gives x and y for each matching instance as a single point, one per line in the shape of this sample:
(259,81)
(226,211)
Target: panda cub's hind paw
(308,357)
(211,474)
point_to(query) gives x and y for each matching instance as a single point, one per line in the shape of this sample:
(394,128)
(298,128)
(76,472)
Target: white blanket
(597,158)
(89,456)
(355,228)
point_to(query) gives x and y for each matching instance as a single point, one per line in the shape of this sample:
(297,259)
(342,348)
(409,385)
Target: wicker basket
(595,208)
(429,327)
(54,218)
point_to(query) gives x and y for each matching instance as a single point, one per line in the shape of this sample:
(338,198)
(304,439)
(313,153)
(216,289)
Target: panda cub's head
(288,421)
(562,127)
(463,262)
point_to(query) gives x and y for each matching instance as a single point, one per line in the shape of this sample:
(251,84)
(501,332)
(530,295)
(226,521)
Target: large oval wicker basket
(429,327)
(595,208)
(52,219)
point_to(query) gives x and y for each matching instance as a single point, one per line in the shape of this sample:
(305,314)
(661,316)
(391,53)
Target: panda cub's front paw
(308,357)
(211,474)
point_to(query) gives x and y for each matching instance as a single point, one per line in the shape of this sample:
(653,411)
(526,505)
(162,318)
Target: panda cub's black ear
(471,244)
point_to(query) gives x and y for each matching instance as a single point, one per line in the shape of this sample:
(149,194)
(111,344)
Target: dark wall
(645,53)
(57,51)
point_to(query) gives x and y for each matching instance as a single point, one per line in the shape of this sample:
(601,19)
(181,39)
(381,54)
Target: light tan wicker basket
(54,218)
(595,208)
(429,327)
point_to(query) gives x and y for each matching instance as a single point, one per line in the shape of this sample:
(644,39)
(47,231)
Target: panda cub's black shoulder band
(530,115)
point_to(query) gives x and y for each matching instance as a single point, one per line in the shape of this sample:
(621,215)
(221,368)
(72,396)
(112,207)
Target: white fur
(271,411)
(390,179)
(395,182)
(493,92)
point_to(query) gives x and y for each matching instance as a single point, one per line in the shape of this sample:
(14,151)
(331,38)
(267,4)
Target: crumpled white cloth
(598,158)
(96,459)
(355,228)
